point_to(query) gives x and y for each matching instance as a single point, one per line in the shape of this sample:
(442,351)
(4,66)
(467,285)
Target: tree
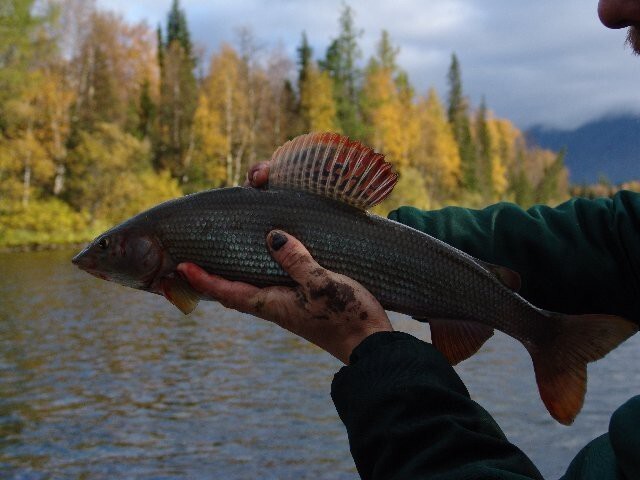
(305,64)
(341,64)
(317,102)
(387,54)
(305,60)
(178,96)
(436,156)
(458,114)
(553,187)
(281,110)
(387,105)
(22,43)
(111,175)
(484,151)
(208,166)
(114,64)
(223,92)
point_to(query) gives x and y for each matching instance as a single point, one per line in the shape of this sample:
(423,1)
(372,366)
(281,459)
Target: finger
(293,257)
(235,295)
(258,175)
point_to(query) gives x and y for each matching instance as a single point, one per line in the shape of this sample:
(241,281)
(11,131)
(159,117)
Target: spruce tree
(178,95)
(484,145)
(305,60)
(341,64)
(458,113)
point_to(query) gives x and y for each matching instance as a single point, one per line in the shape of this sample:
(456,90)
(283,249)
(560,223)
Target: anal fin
(457,340)
(180,293)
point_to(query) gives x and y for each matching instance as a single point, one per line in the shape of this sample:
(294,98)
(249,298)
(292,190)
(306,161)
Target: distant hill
(609,146)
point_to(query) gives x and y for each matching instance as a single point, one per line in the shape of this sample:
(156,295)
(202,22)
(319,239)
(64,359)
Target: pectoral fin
(458,339)
(509,278)
(180,293)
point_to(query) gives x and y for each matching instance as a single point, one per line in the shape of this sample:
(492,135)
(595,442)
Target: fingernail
(277,240)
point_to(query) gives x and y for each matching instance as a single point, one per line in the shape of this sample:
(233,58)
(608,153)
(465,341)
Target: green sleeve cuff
(408,415)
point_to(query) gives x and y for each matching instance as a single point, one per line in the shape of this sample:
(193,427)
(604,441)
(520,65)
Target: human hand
(258,175)
(326,308)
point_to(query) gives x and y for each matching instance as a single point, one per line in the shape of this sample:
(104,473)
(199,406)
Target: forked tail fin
(561,364)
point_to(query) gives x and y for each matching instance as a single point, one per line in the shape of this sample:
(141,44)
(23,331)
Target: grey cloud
(543,62)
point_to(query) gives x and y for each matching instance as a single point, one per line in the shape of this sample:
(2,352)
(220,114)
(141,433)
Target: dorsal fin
(332,165)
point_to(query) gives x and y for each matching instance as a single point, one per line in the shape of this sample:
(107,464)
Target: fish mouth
(86,261)
(81,259)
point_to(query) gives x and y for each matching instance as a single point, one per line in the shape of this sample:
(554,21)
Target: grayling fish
(319,188)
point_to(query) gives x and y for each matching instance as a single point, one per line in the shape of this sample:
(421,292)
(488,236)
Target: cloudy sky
(546,62)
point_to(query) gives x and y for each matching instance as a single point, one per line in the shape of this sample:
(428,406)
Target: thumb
(258,175)
(292,256)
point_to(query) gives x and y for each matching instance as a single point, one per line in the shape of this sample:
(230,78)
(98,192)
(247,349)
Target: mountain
(608,147)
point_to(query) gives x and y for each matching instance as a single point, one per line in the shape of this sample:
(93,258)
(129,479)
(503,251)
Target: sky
(543,62)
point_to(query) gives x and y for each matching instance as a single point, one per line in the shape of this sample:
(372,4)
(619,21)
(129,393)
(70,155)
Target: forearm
(408,416)
(580,257)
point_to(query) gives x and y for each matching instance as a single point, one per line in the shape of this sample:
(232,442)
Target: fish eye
(103,243)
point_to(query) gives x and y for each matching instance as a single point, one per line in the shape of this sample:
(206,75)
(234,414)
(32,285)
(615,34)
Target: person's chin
(633,39)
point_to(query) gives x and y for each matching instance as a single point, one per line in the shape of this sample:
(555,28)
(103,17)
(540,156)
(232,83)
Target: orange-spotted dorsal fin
(332,165)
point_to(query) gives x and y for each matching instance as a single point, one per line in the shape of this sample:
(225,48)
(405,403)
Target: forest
(101,118)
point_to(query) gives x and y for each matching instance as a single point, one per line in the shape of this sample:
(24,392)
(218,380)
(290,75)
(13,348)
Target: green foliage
(177,30)
(458,112)
(178,96)
(411,189)
(43,222)
(111,177)
(23,42)
(341,64)
(549,186)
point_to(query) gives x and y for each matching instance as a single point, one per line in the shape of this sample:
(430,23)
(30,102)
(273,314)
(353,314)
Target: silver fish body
(410,272)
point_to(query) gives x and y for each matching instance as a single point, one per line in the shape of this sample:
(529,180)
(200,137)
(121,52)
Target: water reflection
(98,381)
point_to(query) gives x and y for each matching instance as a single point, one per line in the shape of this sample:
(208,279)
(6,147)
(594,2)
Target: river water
(98,381)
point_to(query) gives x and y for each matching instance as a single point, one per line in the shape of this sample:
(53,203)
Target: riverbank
(42,247)
(46,225)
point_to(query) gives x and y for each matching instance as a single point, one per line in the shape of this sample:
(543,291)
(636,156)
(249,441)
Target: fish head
(126,255)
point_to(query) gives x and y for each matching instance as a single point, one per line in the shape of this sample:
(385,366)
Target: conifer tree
(484,151)
(305,59)
(341,64)
(178,95)
(458,113)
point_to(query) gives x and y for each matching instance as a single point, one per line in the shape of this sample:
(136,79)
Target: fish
(320,187)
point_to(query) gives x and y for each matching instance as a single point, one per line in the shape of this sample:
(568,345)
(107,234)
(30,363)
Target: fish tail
(560,364)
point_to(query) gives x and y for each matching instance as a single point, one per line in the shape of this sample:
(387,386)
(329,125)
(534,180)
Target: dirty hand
(328,309)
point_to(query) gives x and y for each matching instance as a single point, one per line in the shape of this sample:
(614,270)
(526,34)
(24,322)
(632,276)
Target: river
(98,381)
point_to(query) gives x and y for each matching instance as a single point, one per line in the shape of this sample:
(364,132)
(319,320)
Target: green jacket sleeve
(582,256)
(409,416)
(614,455)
